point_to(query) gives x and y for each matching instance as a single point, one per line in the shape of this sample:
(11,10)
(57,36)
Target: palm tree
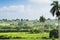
(55,11)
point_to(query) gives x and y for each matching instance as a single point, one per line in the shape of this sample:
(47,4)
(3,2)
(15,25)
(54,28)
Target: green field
(26,35)
(12,30)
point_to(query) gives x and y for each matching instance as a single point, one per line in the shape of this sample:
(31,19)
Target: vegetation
(25,29)
(55,11)
(42,19)
(13,29)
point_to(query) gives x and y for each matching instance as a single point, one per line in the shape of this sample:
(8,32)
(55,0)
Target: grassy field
(26,36)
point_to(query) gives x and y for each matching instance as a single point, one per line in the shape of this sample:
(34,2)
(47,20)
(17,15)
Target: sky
(25,9)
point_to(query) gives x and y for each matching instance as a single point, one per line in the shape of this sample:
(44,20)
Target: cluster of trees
(22,29)
(14,20)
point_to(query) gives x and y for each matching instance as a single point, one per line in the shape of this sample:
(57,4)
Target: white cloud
(12,11)
(36,11)
(19,8)
(27,11)
(40,1)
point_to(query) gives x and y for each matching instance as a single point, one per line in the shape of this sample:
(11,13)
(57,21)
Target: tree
(4,19)
(21,20)
(46,26)
(27,19)
(55,11)
(20,24)
(17,19)
(54,33)
(42,19)
(48,19)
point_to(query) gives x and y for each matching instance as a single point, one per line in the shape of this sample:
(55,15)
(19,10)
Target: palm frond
(53,10)
(58,13)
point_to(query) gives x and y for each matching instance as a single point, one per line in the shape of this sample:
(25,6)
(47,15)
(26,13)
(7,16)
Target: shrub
(34,31)
(53,33)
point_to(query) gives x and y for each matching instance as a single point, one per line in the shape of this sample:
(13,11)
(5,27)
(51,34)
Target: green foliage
(20,24)
(48,19)
(21,20)
(53,33)
(54,8)
(40,29)
(22,35)
(46,26)
(42,19)
(34,31)
(4,19)
(27,19)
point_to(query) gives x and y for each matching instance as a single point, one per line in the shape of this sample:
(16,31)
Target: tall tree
(42,19)
(21,20)
(55,11)
(4,19)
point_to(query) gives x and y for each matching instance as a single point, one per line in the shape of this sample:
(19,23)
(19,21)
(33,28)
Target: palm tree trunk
(58,29)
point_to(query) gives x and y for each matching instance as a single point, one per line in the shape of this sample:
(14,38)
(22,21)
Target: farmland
(24,30)
(26,36)
(29,20)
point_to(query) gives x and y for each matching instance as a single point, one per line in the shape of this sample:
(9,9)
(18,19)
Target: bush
(46,30)
(4,37)
(10,37)
(34,31)
(53,33)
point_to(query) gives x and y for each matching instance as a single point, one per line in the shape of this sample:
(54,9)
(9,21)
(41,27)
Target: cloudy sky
(25,9)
